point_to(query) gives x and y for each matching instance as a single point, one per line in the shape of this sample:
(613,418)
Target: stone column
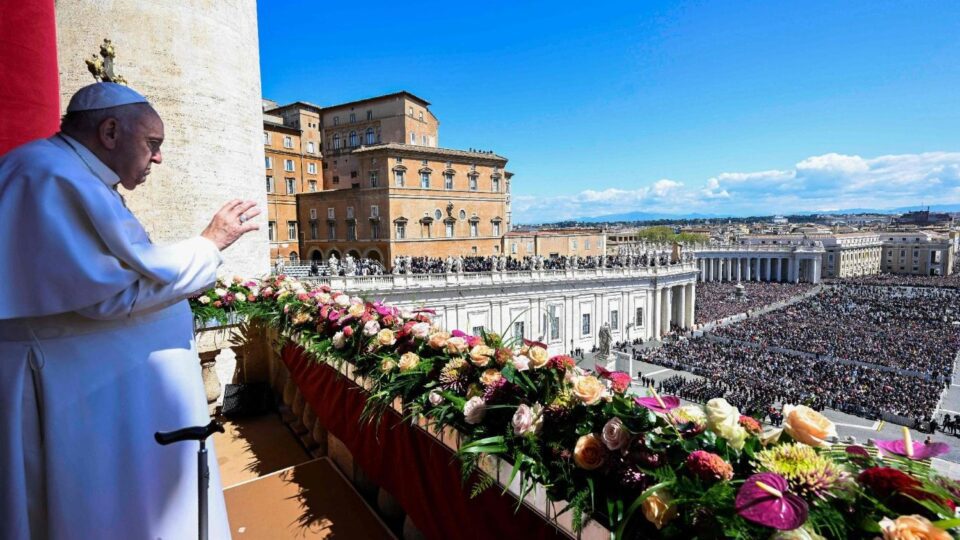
(736,265)
(681,303)
(691,305)
(655,313)
(815,270)
(665,302)
(747,269)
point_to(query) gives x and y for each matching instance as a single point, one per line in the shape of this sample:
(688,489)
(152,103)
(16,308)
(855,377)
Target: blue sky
(716,107)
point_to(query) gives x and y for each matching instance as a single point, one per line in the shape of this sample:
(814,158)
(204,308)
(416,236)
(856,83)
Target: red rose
(347,331)
(561,361)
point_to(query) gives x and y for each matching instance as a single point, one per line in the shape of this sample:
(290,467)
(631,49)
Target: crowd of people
(439,265)
(903,328)
(758,380)
(718,300)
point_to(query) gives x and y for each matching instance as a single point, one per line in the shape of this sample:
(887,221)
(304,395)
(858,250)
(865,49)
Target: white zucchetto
(103,95)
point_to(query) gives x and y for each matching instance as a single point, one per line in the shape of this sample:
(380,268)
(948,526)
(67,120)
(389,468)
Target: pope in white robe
(96,339)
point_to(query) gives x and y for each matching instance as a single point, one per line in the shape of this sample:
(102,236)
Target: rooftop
(414,149)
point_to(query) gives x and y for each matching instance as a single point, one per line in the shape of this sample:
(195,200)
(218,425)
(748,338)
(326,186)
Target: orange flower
(807,425)
(657,508)
(911,528)
(589,452)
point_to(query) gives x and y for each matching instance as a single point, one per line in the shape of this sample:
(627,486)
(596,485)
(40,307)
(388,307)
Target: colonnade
(674,305)
(759,268)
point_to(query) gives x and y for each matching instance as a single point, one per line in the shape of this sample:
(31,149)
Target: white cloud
(827,182)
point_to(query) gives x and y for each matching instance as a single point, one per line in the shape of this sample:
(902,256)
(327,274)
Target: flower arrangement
(644,466)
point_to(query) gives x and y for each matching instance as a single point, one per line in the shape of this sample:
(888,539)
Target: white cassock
(96,354)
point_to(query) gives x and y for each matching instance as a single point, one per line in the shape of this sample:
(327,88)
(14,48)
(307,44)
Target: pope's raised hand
(231,222)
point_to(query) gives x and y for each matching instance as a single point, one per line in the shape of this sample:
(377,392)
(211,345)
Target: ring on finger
(242,218)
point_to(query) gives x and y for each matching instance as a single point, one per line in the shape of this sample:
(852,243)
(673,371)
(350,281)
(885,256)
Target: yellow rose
(589,452)
(387,365)
(538,357)
(807,425)
(490,376)
(438,340)
(588,389)
(356,310)
(386,337)
(456,345)
(408,361)
(480,355)
(911,528)
(657,508)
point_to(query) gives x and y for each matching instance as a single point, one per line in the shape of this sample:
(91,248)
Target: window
(421,116)
(410,111)
(313,213)
(314,230)
(638,321)
(352,230)
(374,230)
(554,316)
(287,141)
(423,140)
(272,231)
(268,162)
(291,185)
(374,178)
(353,138)
(401,229)
(496,185)
(425,180)
(353,174)
(291,230)
(331,213)
(369,135)
(294,257)
(374,211)
(311,148)
(614,320)
(369,115)
(449,228)
(413,138)
(266,138)
(518,331)
(496,228)
(312,168)
(399,177)
(336,179)
(349,212)
(288,165)
(574,243)
(269,184)
(585,324)
(313,186)
(353,117)
(336,120)
(586,243)
(331,231)
(474,231)
(473,183)
(336,141)
(448,181)
(513,248)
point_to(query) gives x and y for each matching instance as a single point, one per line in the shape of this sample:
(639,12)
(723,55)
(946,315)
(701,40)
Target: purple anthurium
(459,333)
(920,450)
(763,499)
(659,404)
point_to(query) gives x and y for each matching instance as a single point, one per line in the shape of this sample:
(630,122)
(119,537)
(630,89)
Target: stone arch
(374,254)
(354,253)
(293,257)
(335,253)
(316,255)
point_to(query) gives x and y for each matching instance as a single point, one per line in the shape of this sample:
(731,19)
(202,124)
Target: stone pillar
(179,55)
(815,270)
(776,268)
(655,313)
(691,305)
(746,269)
(737,266)
(681,303)
(794,270)
(765,263)
(665,302)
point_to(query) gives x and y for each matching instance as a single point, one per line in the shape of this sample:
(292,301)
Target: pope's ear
(108,133)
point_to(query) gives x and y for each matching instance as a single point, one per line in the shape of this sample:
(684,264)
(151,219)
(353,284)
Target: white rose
(420,330)
(323,298)
(724,420)
(204,299)
(220,292)
(615,435)
(371,328)
(342,300)
(474,409)
(240,297)
(436,398)
(339,340)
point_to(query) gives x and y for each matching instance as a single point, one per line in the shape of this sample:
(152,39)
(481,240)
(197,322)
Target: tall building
(390,190)
(292,160)
(920,253)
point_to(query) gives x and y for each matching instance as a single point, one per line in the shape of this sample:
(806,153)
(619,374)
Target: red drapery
(415,468)
(29,80)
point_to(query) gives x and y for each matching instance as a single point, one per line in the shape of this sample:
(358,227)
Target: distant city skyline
(704,109)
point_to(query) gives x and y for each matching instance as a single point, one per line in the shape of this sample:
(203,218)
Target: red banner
(419,471)
(29,84)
